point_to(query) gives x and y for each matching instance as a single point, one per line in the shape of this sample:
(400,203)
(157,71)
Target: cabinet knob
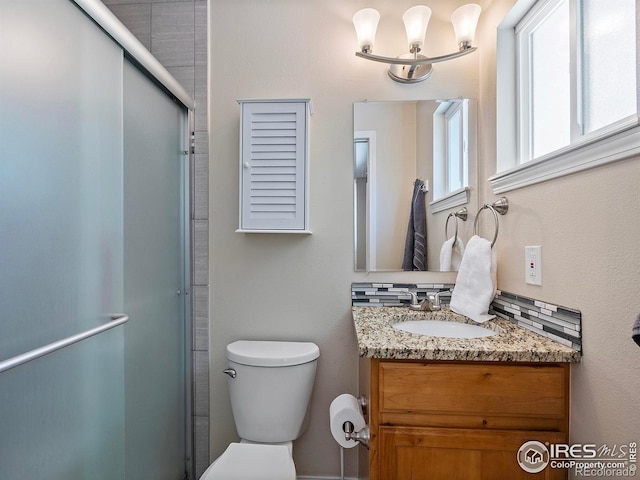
(246,165)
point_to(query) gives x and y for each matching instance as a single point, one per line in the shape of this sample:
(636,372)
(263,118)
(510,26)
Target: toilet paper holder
(346,415)
(362,436)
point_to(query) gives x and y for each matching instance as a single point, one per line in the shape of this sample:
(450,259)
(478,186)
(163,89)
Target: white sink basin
(439,328)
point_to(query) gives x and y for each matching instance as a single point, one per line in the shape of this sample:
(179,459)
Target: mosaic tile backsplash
(394,294)
(560,324)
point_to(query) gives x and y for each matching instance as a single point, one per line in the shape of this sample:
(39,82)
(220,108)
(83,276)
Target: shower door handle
(12,362)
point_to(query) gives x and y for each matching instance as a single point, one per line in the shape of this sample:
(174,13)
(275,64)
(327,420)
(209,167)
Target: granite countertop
(512,343)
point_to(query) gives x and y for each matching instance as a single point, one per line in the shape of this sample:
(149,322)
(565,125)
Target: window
(544,57)
(573,103)
(455,145)
(450,155)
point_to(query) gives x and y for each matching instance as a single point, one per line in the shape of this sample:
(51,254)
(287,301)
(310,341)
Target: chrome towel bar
(12,362)
(500,206)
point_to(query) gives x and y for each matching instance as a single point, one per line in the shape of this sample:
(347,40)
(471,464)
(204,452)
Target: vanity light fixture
(413,67)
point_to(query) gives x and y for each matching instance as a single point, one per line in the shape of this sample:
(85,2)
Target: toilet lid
(247,461)
(264,353)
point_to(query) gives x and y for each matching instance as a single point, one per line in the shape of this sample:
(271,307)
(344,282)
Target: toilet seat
(250,461)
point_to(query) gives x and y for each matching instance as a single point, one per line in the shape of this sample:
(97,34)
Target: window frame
(611,143)
(456,109)
(444,198)
(524,31)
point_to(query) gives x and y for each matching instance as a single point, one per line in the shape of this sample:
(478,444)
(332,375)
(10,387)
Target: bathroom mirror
(395,143)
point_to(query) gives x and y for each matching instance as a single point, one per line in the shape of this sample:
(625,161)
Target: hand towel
(635,332)
(451,255)
(415,249)
(476,282)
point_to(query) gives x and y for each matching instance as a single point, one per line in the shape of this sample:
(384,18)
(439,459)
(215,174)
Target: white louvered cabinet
(274,186)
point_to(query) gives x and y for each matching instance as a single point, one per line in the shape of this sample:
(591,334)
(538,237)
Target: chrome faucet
(431,303)
(414,305)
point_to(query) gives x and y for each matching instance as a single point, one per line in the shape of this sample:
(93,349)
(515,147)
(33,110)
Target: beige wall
(395,172)
(294,287)
(588,225)
(290,286)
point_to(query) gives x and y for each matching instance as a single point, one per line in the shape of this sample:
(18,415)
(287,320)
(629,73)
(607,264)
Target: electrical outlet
(533,265)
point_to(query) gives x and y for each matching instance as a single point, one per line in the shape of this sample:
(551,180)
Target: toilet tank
(272,388)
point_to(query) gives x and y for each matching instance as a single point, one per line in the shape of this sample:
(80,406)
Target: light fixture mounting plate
(410,73)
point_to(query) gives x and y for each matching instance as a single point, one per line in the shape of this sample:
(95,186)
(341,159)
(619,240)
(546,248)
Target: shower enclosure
(94,263)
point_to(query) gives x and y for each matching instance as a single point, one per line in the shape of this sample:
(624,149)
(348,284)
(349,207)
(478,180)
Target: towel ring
(500,206)
(461,214)
(446,227)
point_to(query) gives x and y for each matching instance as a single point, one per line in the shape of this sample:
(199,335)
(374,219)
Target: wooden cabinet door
(420,453)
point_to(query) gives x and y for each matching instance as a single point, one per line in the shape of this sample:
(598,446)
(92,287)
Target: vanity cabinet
(461,420)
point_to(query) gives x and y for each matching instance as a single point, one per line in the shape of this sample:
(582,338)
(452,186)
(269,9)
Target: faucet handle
(443,292)
(436,297)
(415,304)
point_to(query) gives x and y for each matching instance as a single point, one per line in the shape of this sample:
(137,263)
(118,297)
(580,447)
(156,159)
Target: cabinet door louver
(273,165)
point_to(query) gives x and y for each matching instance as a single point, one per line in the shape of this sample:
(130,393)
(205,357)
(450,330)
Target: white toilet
(270,385)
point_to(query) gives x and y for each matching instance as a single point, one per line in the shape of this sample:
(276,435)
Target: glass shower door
(92,226)
(154,280)
(61,243)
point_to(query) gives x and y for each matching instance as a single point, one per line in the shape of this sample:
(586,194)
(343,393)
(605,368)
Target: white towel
(476,282)
(451,255)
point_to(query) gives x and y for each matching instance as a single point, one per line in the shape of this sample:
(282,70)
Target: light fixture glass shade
(465,20)
(366,23)
(415,21)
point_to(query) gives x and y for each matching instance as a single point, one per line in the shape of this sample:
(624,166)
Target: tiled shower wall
(175,32)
